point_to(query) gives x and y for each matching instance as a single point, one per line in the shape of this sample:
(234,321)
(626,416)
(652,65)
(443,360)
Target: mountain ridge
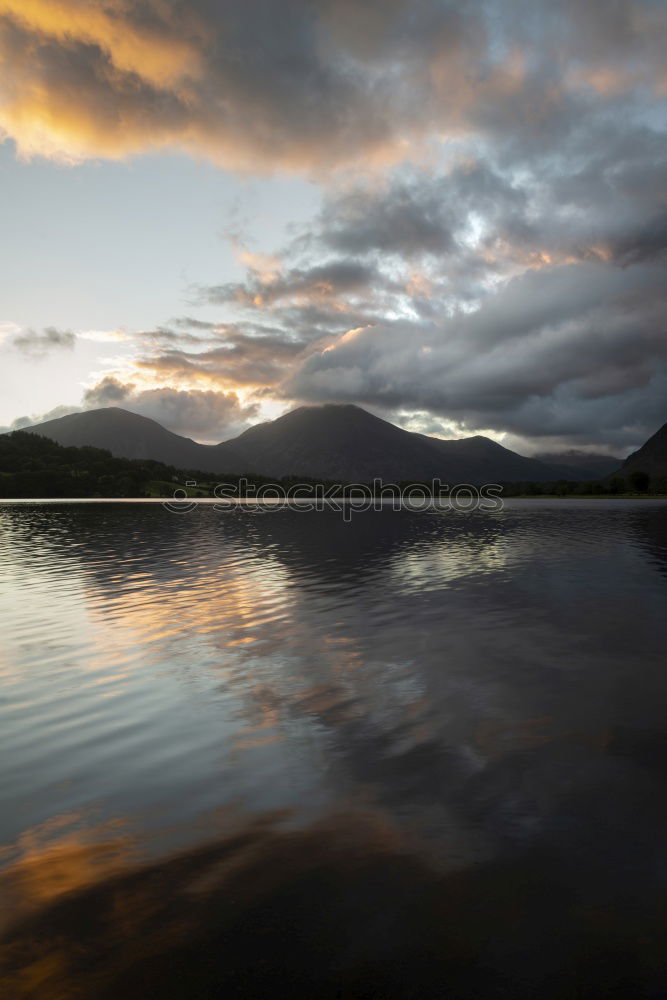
(332,441)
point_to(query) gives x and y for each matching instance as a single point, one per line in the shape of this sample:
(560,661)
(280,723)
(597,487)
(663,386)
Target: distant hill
(500,463)
(128,435)
(650,458)
(586,465)
(334,442)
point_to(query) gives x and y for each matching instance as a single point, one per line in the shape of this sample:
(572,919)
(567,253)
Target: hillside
(650,458)
(35,466)
(585,465)
(480,455)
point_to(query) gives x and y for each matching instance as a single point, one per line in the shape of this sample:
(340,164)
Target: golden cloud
(162,59)
(302,86)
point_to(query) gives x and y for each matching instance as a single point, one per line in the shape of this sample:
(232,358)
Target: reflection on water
(344,908)
(477,699)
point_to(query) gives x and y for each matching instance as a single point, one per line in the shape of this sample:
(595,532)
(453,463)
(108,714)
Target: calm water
(448,730)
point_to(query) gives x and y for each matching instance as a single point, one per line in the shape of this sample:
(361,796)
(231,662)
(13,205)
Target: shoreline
(300,502)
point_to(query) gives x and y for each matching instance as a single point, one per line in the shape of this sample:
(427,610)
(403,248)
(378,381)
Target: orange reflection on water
(57,858)
(346,907)
(222,607)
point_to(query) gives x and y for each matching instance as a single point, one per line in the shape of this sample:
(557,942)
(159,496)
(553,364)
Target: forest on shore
(34,467)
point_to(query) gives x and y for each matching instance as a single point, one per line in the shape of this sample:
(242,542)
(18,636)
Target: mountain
(582,464)
(338,442)
(344,442)
(650,458)
(127,435)
(335,442)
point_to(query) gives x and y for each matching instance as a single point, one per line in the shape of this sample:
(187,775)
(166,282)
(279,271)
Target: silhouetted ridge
(586,465)
(334,441)
(128,435)
(650,458)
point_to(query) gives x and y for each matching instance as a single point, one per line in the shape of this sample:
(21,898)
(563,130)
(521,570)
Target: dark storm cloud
(38,344)
(535,288)
(525,296)
(607,200)
(647,242)
(516,299)
(415,214)
(408,219)
(578,351)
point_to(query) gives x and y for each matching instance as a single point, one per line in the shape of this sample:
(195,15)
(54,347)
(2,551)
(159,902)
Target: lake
(422,753)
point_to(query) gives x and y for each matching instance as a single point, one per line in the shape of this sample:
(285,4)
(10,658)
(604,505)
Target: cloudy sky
(452,213)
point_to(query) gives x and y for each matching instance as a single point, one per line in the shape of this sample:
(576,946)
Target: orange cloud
(150,52)
(86,80)
(303,87)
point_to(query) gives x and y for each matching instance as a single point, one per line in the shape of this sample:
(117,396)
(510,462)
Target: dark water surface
(419,754)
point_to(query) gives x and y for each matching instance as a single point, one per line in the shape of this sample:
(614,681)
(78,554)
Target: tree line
(32,466)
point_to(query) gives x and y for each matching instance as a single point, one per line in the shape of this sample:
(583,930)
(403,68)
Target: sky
(452,214)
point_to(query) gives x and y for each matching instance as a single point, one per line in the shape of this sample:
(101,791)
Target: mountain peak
(328,409)
(127,435)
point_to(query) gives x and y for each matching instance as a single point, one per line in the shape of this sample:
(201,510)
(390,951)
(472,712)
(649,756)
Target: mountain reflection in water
(420,754)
